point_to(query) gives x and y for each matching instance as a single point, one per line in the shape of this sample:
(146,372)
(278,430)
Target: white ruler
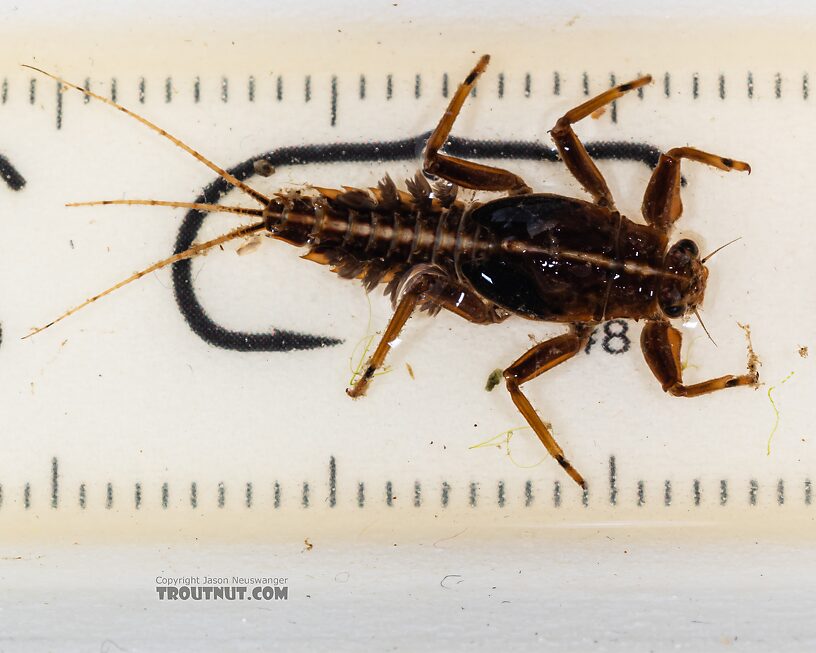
(123,415)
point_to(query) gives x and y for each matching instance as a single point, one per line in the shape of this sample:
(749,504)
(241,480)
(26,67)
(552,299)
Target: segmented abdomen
(376,234)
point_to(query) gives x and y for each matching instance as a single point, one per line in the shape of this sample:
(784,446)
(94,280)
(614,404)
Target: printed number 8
(615,341)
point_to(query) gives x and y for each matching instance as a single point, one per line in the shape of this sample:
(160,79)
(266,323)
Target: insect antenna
(209,208)
(190,252)
(256,195)
(702,324)
(721,247)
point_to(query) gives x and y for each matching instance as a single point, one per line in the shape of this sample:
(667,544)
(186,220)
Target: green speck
(493,380)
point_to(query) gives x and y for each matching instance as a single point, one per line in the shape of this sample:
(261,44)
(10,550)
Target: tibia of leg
(590,106)
(526,409)
(721,162)
(712,385)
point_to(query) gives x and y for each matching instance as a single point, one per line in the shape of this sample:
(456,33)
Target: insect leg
(538,360)
(661,202)
(661,348)
(407,303)
(465,303)
(574,153)
(458,171)
(431,293)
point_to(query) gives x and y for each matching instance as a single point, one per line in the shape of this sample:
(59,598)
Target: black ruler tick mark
(332,482)
(613,480)
(613,111)
(334,100)
(54,483)
(59,105)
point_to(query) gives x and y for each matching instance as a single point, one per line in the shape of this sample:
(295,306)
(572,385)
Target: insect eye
(688,246)
(674,311)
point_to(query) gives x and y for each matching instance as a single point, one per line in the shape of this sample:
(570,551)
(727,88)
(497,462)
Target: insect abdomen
(372,235)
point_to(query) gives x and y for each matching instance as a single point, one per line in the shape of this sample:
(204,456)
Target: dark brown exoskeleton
(536,255)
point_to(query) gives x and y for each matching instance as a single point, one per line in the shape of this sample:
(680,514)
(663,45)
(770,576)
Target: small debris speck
(493,380)
(263,168)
